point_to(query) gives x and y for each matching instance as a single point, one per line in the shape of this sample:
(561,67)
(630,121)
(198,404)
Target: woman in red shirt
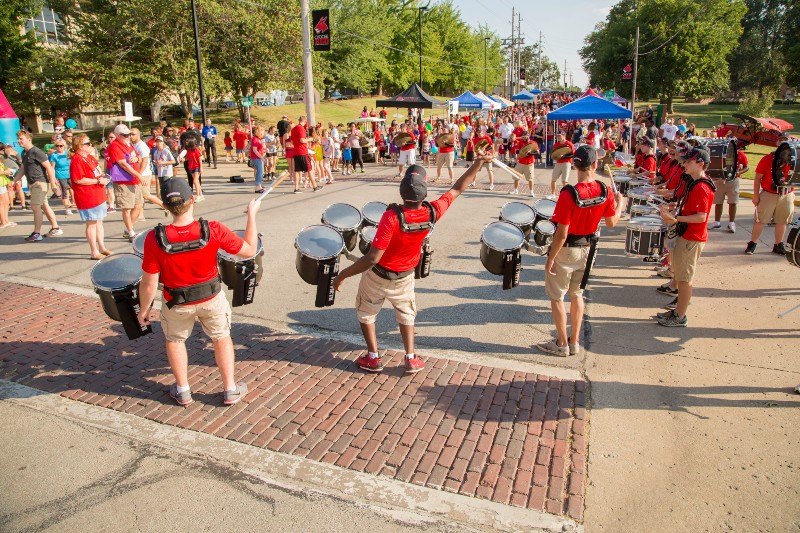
(89,187)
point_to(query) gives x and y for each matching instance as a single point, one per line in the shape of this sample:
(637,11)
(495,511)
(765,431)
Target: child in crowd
(380,144)
(347,160)
(425,148)
(228,146)
(470,148)
(194,157)
(327,155)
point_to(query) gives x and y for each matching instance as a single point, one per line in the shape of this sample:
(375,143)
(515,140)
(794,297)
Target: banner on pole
(627,70)
(320,21)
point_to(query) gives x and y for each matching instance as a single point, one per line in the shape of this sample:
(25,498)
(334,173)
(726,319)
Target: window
(47,27)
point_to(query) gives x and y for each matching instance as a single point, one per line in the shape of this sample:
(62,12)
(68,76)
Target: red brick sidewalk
(511,437)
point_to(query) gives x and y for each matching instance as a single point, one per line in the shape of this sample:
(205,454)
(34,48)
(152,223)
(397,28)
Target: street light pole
(419,17)
(199,67)
(485,42)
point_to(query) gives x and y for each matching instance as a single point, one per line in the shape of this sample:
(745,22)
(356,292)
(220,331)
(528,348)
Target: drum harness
(423,267)
(586,240)
(199,291)
(679,228)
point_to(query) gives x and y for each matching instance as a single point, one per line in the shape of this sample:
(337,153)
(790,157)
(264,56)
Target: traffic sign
(247,101)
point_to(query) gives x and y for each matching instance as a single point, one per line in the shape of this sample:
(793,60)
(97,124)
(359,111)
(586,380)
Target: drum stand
(795,308)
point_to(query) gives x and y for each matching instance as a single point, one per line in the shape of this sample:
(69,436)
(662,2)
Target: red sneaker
(414,365)
(370,365)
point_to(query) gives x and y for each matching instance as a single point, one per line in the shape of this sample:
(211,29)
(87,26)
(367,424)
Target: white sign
(128,111)
(452,107)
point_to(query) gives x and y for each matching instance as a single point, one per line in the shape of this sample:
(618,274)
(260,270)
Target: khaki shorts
(726,189)
(684,259)
(214,315)
(445,159)
(568,266)
(561,170)
(127,196)
(39,192)
(525,170)
(774,207)
(373,290)
(145,184)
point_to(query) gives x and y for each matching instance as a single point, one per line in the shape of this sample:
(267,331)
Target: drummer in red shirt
(645,162)
(691,218)
(771,204)
(489,138)
(183,257)
(572,245)
(387,271)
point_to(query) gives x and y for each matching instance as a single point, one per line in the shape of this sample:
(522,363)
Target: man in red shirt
(126,177)
(562,167)
(388,269)
(183,257)
(729,189)
(578,212)
(445,157)
(240,141)
(771,204)
(691,218)
(301,158)
(645,162)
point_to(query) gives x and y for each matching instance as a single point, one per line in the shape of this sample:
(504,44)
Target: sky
(563,25)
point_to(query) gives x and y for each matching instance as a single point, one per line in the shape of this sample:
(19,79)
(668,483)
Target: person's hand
(253,206)
(337,283)
(103,181)
(756,199)
(56,187)
(548,267)
(667,215)
(144,317)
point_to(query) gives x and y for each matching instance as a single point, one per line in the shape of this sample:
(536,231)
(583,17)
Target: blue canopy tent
(535,91)
(524,95)
(470,101)
(503,105)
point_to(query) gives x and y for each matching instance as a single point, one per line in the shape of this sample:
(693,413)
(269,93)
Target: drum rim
(521,234)
(110,258)
(318,258)
(547,220)
(532,210)
(343,228)
(366,228)
(649,226)
(222,255)
(549,201)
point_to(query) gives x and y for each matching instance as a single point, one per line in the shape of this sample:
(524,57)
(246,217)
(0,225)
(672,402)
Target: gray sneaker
(182,398)
(673,321)
(230,397)
(552,348)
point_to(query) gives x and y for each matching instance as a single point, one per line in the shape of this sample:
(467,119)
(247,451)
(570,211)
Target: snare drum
(520,214)
(138,243)
(242,276)
(372,213)
(543,233)
(623,183)
(316,245)
(644,210)
(645,237)
(116,280)
(637,196)
(345,219)
(366,236)
(544,210)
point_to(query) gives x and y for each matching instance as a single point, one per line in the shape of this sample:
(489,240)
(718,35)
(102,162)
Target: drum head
(368,233)
(373,211)
(786,163)
(545,227)
(640,193)
(342,217)
(622,179)
(222,254)
(319,242)
(648,224)
(138,243)
(502,236)
(118,271)
(517,213)
(544,208)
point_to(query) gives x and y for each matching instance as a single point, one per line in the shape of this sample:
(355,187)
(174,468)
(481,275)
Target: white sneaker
(533,194)
(715,225)
(732,227)
(200,198)
(551,197)
(491,186)
(515,191)
(69,212)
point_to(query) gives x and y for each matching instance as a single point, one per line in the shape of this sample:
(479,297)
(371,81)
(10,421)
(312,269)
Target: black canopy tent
(412,98)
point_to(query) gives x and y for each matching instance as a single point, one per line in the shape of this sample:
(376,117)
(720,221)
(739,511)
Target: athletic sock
(181,390)
(373,355)
(411,355)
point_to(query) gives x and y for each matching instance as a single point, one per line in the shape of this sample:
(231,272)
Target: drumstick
(274,184)
(508,169)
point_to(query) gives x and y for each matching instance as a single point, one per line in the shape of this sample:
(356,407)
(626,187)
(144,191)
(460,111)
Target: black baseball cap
(699,155)
(585,155)
(176,191)
(413,186)
(648,141)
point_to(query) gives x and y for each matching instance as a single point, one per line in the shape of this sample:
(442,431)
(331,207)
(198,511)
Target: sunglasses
(87,143)
(59,146)
(124,134)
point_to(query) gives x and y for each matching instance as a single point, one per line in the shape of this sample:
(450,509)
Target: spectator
(125,175)
(41,176)
(60,161)
(88,184)
(210,142)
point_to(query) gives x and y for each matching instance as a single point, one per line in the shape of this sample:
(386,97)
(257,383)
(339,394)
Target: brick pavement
(510,437)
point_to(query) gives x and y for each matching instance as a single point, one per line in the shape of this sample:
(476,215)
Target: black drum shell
(368,212)
(623,184)
(793,244)
(109,295)
(138,243)
(540,237)
(493,259)
(544,211)
(227,264)
(308,266)
(643,239)
(724,161)
(349,233)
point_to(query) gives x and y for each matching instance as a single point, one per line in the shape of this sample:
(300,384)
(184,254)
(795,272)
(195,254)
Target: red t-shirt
(571,147)
(193,159)
(188,268)
(583,220)
(700,200)
(764,167)
(673,178)
(608,145)
(228,142)
(445,149)
(741,158)
(646,162)
(402,250)
(256,144)
(299,132)
(412,144)
(590,138)
(151,143)
(240,138)
(117,151)
(526,160)
(86,196)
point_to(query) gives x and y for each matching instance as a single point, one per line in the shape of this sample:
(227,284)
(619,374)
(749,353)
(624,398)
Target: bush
(758,106)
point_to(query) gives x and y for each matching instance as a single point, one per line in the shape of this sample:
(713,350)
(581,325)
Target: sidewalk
(509,437)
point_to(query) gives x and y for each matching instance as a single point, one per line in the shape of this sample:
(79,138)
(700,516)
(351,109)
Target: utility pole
(307,72)
(539,86)
(511,78)
(519,50)
(570,79)
(485,43)
(565,75)
(420,10)
(635,69)
(199,68)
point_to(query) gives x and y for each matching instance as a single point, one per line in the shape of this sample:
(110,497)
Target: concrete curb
(400,501)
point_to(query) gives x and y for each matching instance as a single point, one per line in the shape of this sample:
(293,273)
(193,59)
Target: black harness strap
(188,246)
(405,227)
(193,293)
(587,202)
(681,227)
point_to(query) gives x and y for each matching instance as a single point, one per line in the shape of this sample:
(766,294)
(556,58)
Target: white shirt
(164,171)
(505,130)
(669,131)
(144,153)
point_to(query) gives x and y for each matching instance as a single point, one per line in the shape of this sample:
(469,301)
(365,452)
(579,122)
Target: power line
(665,43)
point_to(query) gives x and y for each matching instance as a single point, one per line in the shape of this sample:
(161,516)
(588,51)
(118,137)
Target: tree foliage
(695,62)
(17,49)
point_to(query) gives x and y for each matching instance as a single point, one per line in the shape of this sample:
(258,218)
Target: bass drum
(498,239)
(316,245)
(372,213)
(231,266)
(345,219)
(520,214)
(793,244)
(786,162)
(724,159)
(138,243)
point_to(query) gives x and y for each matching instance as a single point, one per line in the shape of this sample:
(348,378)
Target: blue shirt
(61,163)
(209,129)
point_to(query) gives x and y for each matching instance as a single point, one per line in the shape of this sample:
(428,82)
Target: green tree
(16,49)
(791,44)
